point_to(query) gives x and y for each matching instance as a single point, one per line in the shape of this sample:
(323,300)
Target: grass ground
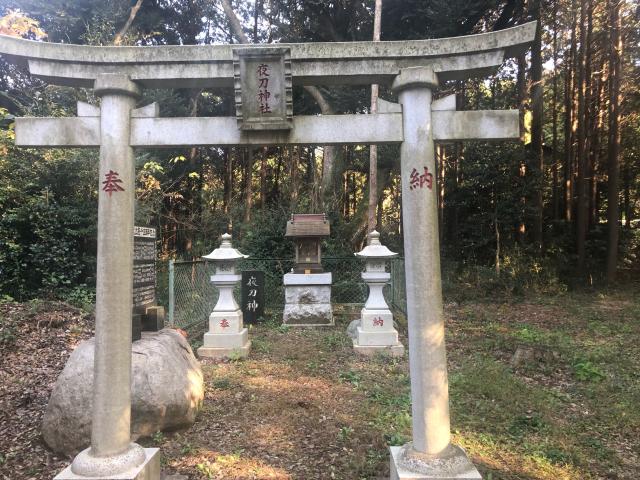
(303,406)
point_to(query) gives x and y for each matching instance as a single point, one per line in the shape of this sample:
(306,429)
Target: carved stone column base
(452,464)
(149,469)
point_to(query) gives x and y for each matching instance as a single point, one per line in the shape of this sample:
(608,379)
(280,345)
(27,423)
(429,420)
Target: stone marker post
(430,454)
(112,454)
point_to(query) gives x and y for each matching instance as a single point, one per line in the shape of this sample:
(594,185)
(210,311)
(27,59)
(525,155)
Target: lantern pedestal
(234,342)
(307,299)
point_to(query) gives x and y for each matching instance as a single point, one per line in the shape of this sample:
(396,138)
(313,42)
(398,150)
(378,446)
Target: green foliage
(8,332)
(354,378)
(158,437)
(586,371)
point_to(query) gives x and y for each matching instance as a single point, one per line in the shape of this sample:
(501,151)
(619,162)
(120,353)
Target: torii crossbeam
(413,68)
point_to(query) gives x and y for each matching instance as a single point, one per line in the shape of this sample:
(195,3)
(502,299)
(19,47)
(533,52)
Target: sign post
(252,295)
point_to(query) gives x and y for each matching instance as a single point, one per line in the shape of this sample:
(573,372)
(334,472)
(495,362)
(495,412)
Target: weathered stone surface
(308,314)
(167,391)
(352,329)
(149,469)
(452,464)
(308,294)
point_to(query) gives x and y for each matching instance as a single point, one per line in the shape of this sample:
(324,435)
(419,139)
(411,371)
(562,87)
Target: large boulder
(167,391)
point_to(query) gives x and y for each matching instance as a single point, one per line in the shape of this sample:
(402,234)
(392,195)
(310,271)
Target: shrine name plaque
(263,88)
(144,268)
(252,296)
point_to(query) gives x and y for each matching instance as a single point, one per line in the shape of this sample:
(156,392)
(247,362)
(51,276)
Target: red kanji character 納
(224,323)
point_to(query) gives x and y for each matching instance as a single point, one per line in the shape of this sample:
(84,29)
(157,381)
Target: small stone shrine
(307,287)
(375,332)
(227,335)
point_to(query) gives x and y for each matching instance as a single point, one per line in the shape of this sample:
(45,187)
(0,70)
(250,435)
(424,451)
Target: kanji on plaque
(417,180)
(263,84)
(112,183)
(224,323)
(252,306)
(378,322)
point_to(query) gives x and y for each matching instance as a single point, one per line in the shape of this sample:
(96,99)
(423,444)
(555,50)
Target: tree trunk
(615,70)
(117,40)
(373,149)
(248,183)
(522,169)
(583,201)
(554,119)
(295,161)
(568,120)
(536,124)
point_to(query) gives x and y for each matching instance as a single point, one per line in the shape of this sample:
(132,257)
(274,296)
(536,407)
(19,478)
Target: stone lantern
(375,332)
(307,287)
(226,335)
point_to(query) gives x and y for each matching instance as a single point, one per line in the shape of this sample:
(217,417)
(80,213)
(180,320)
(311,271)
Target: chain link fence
(191,296)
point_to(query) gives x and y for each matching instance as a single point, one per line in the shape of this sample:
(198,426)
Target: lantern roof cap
(374,248)
(308,225)
(225,251)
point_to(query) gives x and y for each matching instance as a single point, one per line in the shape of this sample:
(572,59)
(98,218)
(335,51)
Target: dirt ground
(303,406)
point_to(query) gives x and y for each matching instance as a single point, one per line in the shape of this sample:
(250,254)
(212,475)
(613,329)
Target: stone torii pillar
(430,455)
(112,454)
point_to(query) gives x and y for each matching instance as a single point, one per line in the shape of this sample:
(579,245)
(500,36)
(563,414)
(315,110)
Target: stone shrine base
(454,465)
(307,300)
(149,470)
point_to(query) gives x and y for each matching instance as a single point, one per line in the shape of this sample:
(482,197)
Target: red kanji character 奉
(378,322)
(111,184)
(263,70)
(414,181)
(224,323)
(426,178)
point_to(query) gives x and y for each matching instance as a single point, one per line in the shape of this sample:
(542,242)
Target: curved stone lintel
(205,66)
(514,39)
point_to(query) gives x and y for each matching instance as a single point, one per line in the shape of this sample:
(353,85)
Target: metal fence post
(172,298)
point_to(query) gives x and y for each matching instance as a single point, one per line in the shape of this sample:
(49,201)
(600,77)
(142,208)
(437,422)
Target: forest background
(557,210)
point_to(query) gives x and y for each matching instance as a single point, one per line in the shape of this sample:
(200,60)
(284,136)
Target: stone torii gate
(262,78)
